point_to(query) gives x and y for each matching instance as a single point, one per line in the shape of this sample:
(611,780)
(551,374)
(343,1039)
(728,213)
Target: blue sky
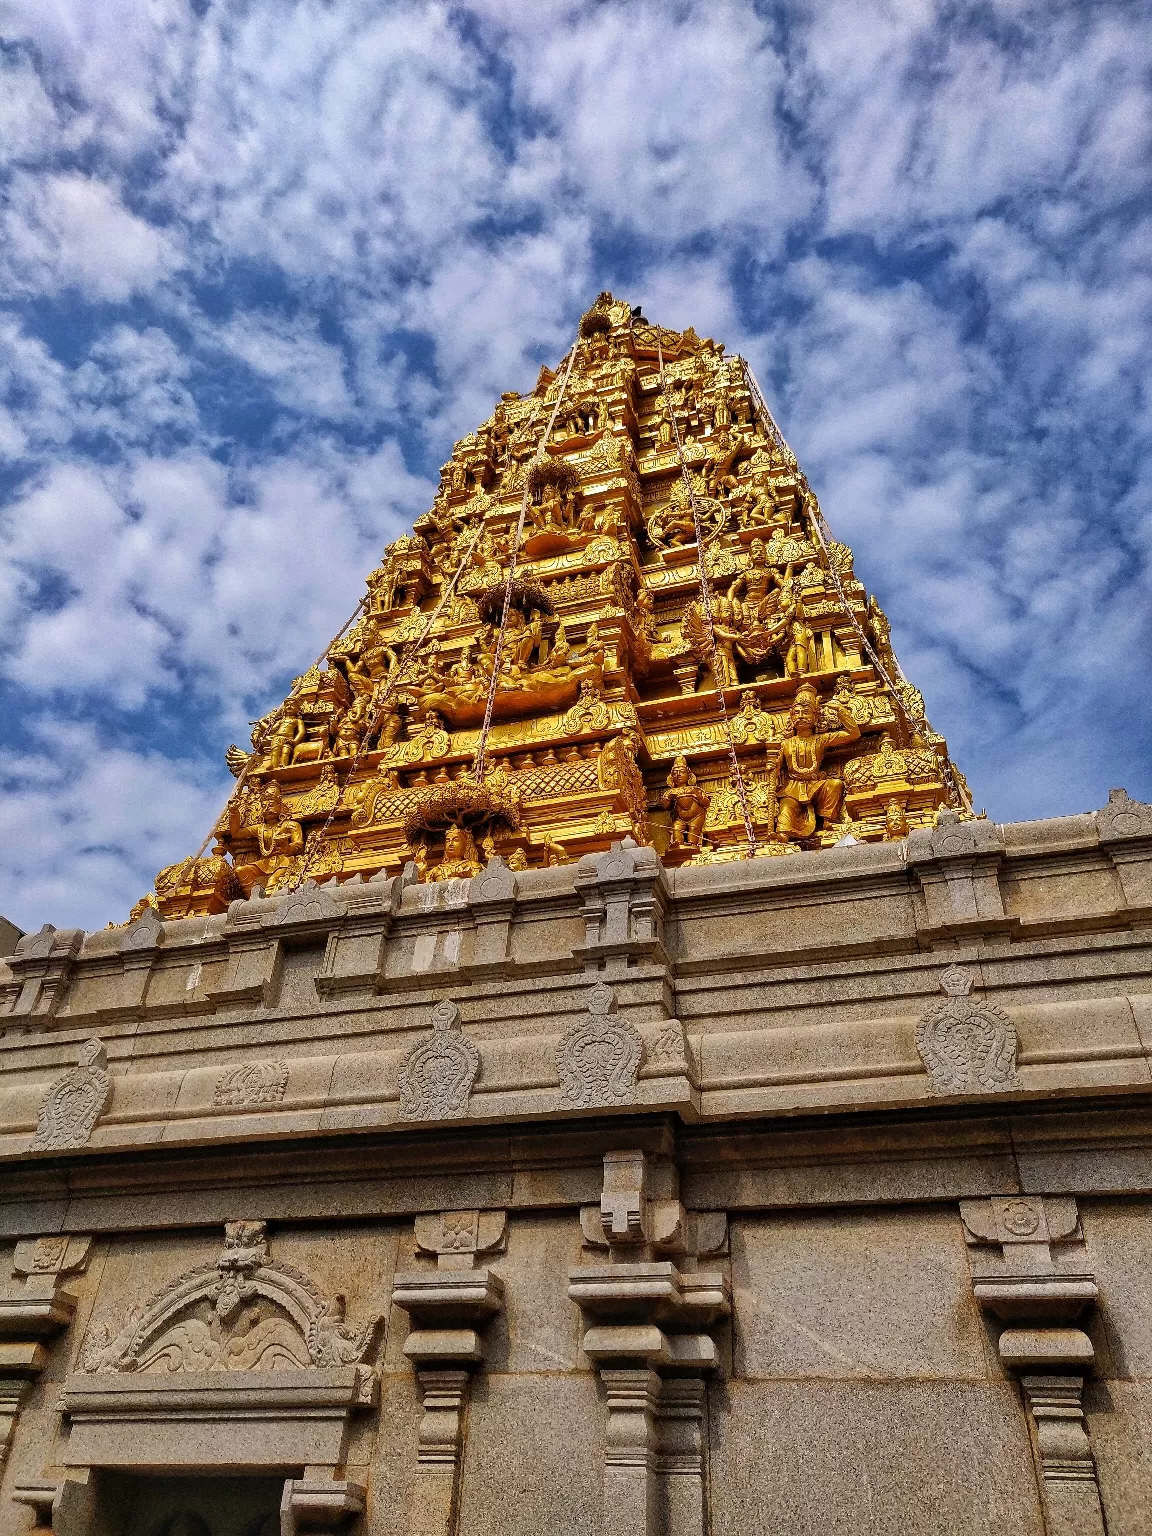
(261,262)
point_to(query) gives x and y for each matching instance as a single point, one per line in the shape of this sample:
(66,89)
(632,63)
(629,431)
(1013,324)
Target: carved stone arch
(171,1330)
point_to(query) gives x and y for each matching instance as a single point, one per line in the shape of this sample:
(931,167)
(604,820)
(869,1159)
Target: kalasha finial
(599,317)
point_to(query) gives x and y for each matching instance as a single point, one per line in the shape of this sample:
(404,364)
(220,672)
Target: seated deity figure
(461,858)
(286,734)
(350,730)
(688,804)
(804,793)
(279,840)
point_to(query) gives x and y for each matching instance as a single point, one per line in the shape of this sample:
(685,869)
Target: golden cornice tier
(605,719)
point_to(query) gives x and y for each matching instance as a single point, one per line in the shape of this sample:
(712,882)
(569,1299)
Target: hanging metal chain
(493,682)
(824,538)
(706,602)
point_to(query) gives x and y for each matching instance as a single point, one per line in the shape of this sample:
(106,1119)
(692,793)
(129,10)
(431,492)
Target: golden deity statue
(551,648)
(805,792)
(688,804)
(461,860)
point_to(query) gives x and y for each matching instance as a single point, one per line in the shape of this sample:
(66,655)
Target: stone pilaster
(1019,1280)
(650,1309)
(630,1490)
(35,1305)
(448,1307)
(1068,1488)
(682,1455)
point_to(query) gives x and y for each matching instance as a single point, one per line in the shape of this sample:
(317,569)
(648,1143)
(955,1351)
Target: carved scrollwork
(245,1312)
(967,1045)
(70,1109)
(436,1077)
(599,1058)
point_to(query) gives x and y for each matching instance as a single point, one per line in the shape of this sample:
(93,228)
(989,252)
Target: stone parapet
(774,986)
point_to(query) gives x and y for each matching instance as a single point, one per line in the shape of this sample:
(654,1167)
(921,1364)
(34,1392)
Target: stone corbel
(650,1311)
(1124,827)
(42,967)
(624,896)
(354,955)
(448,1307)
(318,1503)
(43,1499)
(1040,1295)
(35,1305)
(957,865)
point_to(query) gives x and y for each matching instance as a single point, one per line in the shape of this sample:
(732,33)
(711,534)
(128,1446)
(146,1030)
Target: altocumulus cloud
(261,264)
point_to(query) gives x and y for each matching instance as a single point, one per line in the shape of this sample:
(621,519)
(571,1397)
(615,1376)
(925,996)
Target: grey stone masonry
(806,1194)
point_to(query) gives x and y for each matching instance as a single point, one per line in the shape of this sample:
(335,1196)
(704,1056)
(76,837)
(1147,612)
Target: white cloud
(158,577)
(920,223)
(73,230)
(302,371)
(84,826)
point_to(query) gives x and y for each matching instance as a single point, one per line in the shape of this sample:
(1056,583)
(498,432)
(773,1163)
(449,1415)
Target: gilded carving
(622,567)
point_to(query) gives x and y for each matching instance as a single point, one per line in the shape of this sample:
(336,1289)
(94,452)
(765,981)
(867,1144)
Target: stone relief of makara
(245,1312)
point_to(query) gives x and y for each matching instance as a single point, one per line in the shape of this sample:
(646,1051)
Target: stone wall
(803,1195)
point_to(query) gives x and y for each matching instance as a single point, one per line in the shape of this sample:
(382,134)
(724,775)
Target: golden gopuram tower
(622,616)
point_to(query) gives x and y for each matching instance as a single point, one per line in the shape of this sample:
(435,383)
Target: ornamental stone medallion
(70,1109)
(966,1045)
(599,1058)
(436,1077)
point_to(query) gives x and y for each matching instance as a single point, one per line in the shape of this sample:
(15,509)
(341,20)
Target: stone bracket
(318,1506)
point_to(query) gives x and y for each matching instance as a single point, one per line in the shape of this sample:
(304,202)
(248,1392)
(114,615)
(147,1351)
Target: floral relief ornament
(967,1045)
(70,1109)
(599,1058)
(245,1312)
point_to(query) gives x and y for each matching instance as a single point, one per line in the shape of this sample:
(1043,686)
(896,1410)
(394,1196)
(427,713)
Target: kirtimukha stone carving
(251,1085)
(967,1046)
(599,1058)
(436,1077)
(70,1109)
(243,1313)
